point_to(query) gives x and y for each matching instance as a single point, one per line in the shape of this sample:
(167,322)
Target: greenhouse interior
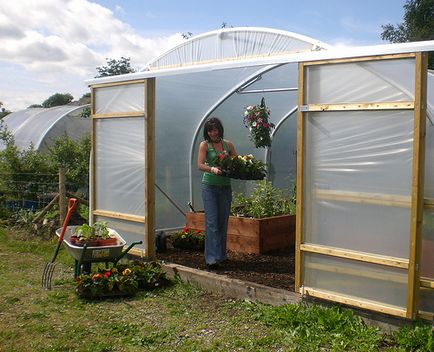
(350,133)
(39,127)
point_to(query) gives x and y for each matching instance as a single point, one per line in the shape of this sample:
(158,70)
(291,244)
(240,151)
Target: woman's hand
(215,170)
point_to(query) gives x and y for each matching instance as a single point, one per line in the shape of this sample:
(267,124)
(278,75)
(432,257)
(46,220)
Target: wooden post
(300,172)
(417,191)
(150,251)
(62,196)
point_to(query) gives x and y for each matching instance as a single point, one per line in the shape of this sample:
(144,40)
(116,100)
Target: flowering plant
(188,239)
(257,120)
(244,167)
(107,282)
(122,279)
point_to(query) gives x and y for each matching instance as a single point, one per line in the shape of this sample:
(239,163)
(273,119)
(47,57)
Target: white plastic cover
(119,165)
(41,126)
(235,44)
(121,98)
(354,153)
(379,81)
(373,282)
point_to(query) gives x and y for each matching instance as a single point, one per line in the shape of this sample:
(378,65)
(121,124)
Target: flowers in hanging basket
(243,167)
(257,120)
(188,239)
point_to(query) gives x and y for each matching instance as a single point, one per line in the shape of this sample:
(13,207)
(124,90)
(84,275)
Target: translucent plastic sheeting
(378,81)
(120,165)
(429,144)
(41,126)
(373,282)
(368,228)
(369,151)
(181,103)
(358,152)
(231,112)
(120,98)
(129,231)
(237,43)
(427,300)
(427,252)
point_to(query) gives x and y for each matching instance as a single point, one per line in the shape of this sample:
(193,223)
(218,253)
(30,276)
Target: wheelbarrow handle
(126,251)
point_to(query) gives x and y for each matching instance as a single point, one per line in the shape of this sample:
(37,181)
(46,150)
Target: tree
(3,111)
(57,100)
(418,25)
(115,67)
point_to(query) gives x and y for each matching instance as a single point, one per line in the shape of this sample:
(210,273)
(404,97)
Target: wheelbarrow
(85,255)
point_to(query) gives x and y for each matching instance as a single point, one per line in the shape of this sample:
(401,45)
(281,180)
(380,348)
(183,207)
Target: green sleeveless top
(211,179)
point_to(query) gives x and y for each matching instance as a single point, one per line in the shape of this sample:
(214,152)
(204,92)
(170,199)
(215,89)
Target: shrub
(265,201)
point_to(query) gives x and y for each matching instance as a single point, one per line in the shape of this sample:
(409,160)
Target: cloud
(53,39)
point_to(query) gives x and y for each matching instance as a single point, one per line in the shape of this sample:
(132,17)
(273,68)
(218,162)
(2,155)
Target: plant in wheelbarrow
(93,235)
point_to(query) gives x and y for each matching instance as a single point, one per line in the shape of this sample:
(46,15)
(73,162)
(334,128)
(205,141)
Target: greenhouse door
(361,140)
(123,159)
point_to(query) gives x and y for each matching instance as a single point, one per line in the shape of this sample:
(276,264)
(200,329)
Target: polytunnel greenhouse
(40,126)
(354,132)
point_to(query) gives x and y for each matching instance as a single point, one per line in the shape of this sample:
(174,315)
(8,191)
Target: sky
(53,46)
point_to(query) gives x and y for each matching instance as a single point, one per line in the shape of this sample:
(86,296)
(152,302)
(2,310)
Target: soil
(274,269)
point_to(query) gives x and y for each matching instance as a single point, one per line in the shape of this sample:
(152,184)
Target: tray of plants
(96,243)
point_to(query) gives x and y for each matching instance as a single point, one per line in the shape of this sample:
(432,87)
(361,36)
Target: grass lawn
(180,317)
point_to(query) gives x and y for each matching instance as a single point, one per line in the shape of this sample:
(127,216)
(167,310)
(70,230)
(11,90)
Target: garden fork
(49,267)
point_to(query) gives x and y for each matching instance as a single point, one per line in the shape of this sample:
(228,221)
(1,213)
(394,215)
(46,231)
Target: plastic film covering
(429,144)
(427,253)
(354,153)
(235,44)
(373,282)
(120,164)
(231,113)
(378,81)
(41,126)
(120,98)
(130,231)
(182,102)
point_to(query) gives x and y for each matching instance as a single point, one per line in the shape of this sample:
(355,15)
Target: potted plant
(244,167)
(259,223)
(93,235)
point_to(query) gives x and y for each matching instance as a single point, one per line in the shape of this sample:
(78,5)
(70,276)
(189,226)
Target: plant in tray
(244,167)
(188,238)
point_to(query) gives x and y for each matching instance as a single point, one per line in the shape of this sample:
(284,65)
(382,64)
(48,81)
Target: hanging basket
(257,120)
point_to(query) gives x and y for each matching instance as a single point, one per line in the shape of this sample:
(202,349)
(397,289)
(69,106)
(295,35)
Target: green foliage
(73,156)
(83,211)
(188,239)
(265,201)
(315,328)
(97,230)
(115,67)
(244,167)
(418,25)
(257,120)
(57,99)
(419,337)
(123,278)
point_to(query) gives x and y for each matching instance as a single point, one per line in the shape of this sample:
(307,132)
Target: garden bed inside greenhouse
(274,269)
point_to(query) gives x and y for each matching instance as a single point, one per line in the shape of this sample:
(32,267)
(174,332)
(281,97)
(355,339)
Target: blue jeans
(217,203)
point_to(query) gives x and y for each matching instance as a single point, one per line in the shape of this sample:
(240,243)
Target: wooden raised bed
(248,235)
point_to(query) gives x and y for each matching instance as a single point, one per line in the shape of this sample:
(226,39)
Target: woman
(216,191)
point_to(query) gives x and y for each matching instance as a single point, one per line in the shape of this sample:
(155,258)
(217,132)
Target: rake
(49,267)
